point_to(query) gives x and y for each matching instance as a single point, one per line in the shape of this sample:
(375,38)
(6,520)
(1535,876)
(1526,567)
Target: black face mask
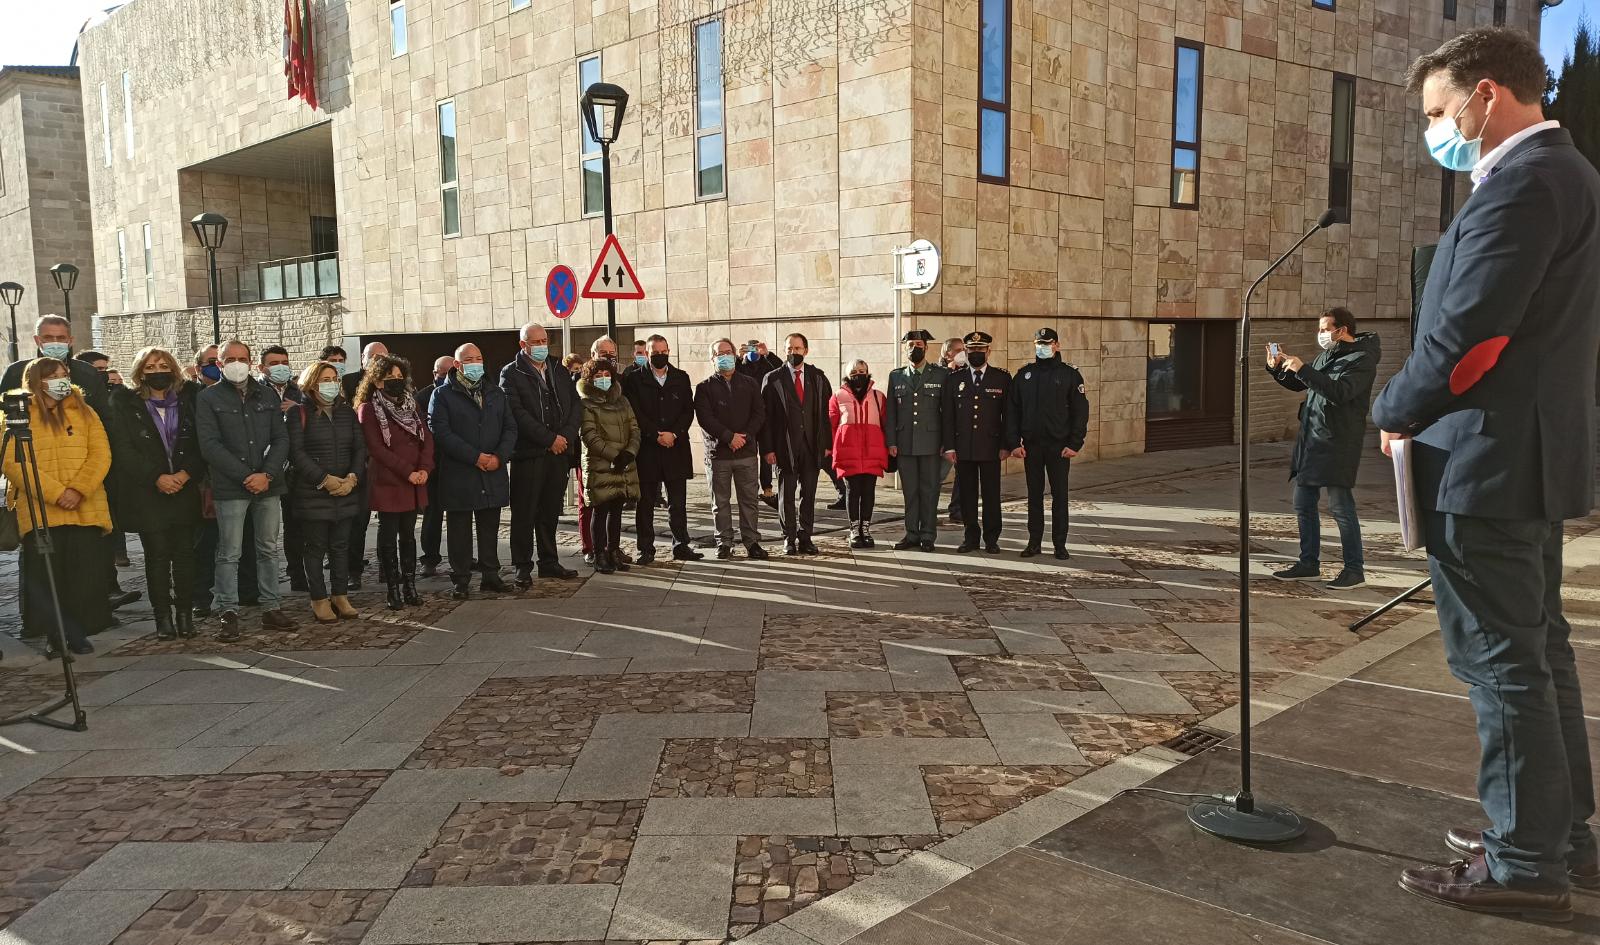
(917,355)
(795,360)
(659,361)
(859,383)
(977,358)
(160,380)
(395,386)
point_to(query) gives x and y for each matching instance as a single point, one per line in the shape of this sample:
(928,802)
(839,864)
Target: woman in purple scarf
(156,472)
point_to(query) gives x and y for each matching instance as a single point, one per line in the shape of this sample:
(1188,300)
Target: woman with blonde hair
(156,474)
(74,457)
(329,456)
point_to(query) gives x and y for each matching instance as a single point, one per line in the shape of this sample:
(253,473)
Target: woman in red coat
(400,460)
(860,452)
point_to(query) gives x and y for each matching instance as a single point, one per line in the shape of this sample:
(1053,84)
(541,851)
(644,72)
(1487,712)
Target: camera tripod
(20,435)
(1396,602)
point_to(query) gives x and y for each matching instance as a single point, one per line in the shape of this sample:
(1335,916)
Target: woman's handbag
(10,533)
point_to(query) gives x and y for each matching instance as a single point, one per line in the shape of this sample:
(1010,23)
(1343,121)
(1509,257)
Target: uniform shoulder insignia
(1081,390)
(1027,375)
(1071,365)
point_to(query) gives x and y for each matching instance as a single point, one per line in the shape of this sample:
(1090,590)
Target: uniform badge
(1081,390)
(961,387)
(1027,375)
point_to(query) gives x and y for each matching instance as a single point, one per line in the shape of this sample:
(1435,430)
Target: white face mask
(58,387)
(959,359)
(1325,340)
(236,372)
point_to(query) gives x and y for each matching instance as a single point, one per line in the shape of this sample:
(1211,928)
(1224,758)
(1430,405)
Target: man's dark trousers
(644,516)
(292,543)
(971,479)
(1497,583)
(432,525)
(798,521)
(1038,465)
(538,489)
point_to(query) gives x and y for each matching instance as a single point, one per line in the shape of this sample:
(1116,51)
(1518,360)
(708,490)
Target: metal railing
(298,277)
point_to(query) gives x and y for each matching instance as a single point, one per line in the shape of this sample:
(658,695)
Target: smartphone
(1273,351)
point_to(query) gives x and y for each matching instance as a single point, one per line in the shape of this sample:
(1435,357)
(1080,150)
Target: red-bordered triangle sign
(614,274)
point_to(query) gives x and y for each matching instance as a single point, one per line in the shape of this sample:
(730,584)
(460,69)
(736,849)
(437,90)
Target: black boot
(394,600)
(602,563)
(185,623)
(408,591)
(462,588)
(165,629)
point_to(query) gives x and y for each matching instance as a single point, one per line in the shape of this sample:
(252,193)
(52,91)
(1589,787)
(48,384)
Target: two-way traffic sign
(614,273)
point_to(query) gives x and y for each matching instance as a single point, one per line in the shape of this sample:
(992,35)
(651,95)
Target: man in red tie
(797,439)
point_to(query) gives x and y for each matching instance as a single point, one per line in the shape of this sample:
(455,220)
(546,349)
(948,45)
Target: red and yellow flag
(299,59)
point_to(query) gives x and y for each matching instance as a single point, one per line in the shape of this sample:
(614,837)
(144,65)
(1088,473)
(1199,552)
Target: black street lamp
(11,294)
(603,106)
(66,276)
(210,228)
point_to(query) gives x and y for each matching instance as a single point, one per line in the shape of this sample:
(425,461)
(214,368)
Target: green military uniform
(912,426)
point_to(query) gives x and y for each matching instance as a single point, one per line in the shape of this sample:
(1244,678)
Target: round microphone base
(1268,823)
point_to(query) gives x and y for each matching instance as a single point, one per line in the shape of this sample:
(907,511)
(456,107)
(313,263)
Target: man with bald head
(546,411)
(473,438)
(432,516)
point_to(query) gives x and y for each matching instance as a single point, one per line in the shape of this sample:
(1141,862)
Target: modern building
(44,199)
(1117,170)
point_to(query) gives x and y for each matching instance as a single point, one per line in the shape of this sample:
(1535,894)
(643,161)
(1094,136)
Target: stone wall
(303,326)
(268,218)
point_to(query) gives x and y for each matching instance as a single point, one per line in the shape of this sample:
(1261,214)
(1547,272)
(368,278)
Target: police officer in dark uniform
(974,438)
(1046,422)
(912,426)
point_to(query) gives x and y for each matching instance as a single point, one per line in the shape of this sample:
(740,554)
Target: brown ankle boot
(323,611)
(342,607)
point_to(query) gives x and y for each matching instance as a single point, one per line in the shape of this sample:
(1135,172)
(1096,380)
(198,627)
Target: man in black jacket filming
(1327,452)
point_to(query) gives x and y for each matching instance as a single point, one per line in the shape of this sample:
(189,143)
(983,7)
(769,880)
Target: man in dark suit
(756,362)
(433,515)
(974,439)
(545,406)
(663,403)
(1497,399)
(797,440)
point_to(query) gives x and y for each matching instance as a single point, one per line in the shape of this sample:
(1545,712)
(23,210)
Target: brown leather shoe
(277,620)
(1469,843)
(1466,884)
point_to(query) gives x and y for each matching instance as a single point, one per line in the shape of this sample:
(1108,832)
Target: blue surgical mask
(341,368)
(1449,148)
(211,372)
(329,391)
(726,363)
(1043,352)
(280,373)
(55,349)
(602,384)
(641,360)
(539,353)
(472,372)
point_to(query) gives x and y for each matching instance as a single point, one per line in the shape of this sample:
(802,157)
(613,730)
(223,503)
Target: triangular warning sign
(614,273)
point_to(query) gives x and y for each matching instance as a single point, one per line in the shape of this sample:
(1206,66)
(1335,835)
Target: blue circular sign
(561,291)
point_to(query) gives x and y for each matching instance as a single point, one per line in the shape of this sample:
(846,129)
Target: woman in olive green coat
(610,446)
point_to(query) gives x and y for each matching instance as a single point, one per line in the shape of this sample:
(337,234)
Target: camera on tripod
(14,404)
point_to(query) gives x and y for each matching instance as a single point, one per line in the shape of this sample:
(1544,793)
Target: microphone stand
(1241,817)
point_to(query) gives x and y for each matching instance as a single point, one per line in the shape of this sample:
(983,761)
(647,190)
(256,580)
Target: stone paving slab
(456,914)
(347,756)
(913,751)
(213,865)
(90,917)
(676,887)
(724,816)
(376,846)
(881,799)
(151,761)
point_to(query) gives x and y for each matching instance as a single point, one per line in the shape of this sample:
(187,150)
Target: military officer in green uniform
(912,425)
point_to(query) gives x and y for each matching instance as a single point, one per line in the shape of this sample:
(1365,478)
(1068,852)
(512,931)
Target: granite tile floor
(781,752)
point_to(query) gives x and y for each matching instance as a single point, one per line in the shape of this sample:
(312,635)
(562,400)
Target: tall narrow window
(449,191)
(397,28)
(1499,12)
(994,90)
(1447,198)
(1187,68)
(149,271)
(122,268)
(520,4)
(1341,145)
(708,141)
(127,113)
(105,122)
(594,197)
(1322,4)
(1449,9)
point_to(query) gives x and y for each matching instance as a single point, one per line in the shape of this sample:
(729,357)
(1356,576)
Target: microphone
(1240,816)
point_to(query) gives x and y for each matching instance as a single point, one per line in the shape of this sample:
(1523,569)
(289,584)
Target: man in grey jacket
(246,445)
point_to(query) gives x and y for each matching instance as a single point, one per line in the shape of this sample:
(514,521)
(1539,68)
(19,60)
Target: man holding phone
(1327,451)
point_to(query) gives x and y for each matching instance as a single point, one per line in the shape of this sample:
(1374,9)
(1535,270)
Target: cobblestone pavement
(677,754)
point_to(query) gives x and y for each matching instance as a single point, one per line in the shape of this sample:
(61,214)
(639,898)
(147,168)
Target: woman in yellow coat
(74,457)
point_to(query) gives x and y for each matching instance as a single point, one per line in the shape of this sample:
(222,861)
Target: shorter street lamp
(603,106)
(11,294)
(66,276)
(210,228)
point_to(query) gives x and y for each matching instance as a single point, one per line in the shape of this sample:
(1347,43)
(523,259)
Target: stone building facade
(44,202)
(845,129)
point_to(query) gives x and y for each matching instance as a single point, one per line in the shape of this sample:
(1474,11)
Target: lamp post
(11,294)
(210,228)
(603,106)
(65,276)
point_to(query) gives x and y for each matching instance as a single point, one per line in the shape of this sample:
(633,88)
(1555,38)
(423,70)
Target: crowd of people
(224,463)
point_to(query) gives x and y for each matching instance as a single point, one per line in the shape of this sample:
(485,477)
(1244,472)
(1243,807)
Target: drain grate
(1193,741)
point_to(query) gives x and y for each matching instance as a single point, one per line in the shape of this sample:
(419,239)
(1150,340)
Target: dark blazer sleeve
(633,389)
(1012,437)
(759,419)
(529,426)
(508,433)
(685,417)
(1505,239)
(1286,380)
(1347,379)
(572,423)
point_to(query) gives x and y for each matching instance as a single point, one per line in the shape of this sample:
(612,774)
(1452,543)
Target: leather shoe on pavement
(1062,553)
(807,548)
(686,553)
(1030,551)
(1466,884)
(556,571)
(524,578)
(966,546)
(724,552)
(992,547)
(756,553)
(1469,843)
(928,546)
(905,544)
